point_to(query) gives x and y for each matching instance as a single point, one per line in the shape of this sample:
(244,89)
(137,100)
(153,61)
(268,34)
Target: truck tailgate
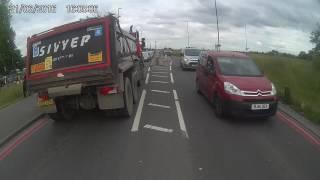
(70,54)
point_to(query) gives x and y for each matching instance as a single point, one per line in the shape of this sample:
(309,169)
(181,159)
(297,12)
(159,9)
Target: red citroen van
(235,85)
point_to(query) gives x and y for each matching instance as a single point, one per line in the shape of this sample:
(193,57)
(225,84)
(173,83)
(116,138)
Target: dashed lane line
(171,78)
(159,105)
(137,118)
(157,128)
(147,79)
(180,116)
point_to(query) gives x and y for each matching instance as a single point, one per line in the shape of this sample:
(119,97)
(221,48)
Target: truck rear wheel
(135,87)
(64,113)
(128,98)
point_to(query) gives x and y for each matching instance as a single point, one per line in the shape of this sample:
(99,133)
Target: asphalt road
(163,143)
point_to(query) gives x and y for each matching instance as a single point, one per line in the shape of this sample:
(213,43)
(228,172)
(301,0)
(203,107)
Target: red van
(235,85)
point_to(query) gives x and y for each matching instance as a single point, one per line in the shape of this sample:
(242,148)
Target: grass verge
(299,76)
(10,94)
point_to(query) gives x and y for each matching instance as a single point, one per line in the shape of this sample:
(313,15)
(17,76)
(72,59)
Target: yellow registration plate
(43,103)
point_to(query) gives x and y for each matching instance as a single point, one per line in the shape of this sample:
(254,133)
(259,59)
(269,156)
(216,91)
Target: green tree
(10,57)
(315,39)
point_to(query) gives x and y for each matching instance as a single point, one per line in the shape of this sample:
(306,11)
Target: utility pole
(218,45)
(155,44)
(119,12)
(188,33)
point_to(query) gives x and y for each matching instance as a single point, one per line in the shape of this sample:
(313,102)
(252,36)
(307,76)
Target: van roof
(227,54)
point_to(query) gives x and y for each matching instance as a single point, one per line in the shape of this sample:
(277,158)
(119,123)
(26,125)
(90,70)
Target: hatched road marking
(164,82)
(159,76)
(157,128)
(154,90)
(159,105)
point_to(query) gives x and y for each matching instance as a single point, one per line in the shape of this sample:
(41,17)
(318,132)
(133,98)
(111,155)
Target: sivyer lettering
(39,51)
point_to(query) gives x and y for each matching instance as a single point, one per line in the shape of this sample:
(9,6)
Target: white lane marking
(137,118)
(170,68)
(159,105)
(147,79)
(159,76)
(149,69)
(180,116)
(160,72)
(164,82)
(158,128)
(171,78)
(175,95)
(154,90)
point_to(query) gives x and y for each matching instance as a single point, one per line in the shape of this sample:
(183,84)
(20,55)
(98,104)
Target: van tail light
(44,96)
(106,90)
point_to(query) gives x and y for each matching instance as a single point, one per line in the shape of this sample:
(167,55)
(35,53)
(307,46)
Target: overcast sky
(282,25)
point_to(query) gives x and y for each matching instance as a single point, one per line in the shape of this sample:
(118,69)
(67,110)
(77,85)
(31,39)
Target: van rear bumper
(243,109)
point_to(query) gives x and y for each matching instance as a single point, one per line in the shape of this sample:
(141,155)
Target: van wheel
(218,107)
(128,98)
(198,87)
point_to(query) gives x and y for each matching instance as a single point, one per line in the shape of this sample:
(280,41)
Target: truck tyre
(128,98)
(134,85)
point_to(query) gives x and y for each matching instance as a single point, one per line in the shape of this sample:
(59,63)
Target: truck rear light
(44,96)
(108,90)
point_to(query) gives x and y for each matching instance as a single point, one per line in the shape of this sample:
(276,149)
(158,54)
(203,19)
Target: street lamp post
(119,12)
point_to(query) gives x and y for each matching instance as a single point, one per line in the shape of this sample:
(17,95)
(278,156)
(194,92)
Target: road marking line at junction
(149,69)
(137,118)
(180,116)
(160,72)
(22,137)
(158,128)
(171,78)
(164,82)
(147,79)
(159,105)
(159,76)
(166,92)
(170,68)
(160,68)
(308,136)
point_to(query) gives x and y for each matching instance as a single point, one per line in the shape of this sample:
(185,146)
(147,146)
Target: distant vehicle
(190,58)
(147,55)
(235,85)
(96,65)
(167,52)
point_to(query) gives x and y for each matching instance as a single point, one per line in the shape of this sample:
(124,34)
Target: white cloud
(284,25)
